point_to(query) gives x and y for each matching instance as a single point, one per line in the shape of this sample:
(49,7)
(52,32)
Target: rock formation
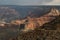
(37,22)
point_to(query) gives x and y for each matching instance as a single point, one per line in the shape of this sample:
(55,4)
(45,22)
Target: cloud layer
(54,2)
(29,2)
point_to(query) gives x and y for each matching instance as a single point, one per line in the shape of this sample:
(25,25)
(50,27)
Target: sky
(29,2)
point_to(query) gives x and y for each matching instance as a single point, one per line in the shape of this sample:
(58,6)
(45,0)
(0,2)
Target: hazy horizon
(30,2)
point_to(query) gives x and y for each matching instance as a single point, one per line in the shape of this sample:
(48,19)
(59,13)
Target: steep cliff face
(37,22)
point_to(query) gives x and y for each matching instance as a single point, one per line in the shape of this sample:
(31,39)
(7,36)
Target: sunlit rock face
(37,22)
(18,22)
(54,12)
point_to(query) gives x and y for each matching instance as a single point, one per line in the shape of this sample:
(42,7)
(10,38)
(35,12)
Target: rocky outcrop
(37,22)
